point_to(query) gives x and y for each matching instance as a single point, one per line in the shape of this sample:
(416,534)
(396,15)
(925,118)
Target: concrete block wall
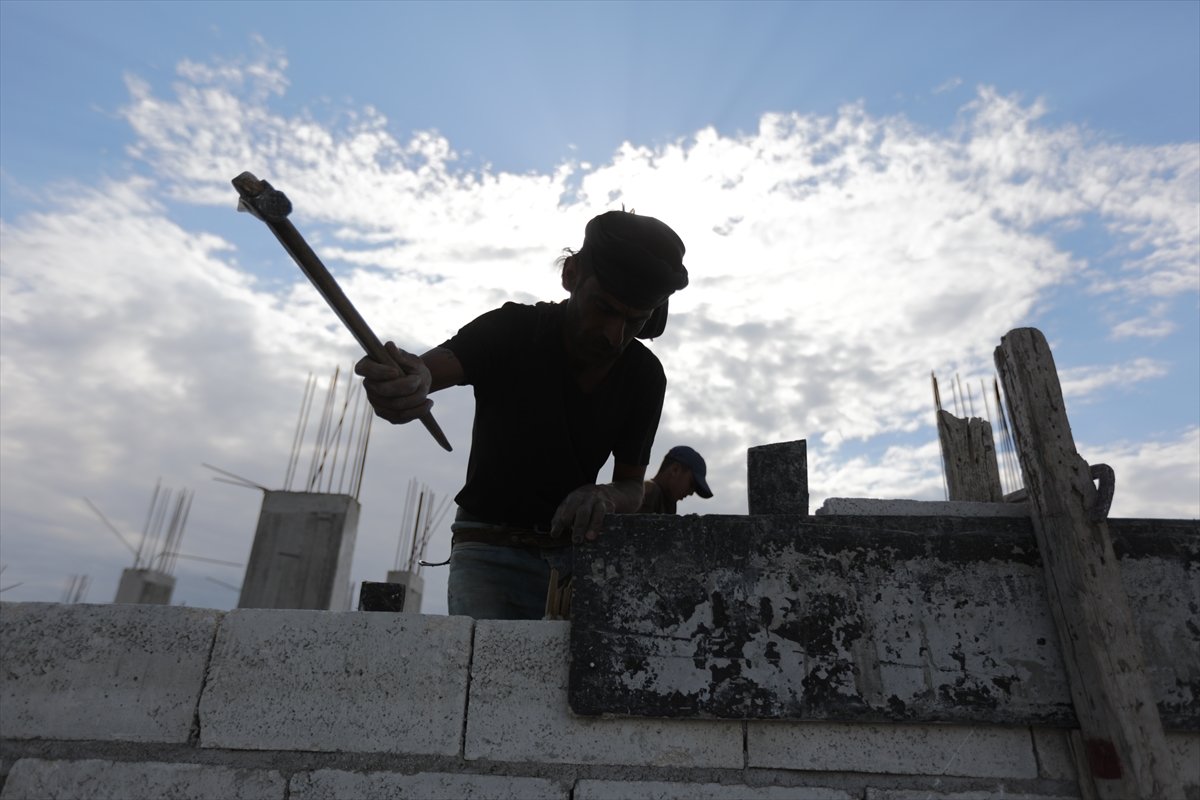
(127,701)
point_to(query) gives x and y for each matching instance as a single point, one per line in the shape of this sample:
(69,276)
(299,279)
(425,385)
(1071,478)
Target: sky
(868,192)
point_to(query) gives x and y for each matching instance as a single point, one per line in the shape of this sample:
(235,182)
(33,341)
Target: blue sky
(869,191)
(537,82)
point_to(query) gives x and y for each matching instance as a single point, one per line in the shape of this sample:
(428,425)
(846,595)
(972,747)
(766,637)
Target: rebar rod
(351,443)
(111,527)
(137,557)
(368,421)
(298,436)
(337,441)
(313,472)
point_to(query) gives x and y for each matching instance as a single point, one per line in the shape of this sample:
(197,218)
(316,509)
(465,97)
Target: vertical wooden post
(969,454)
(1125,753)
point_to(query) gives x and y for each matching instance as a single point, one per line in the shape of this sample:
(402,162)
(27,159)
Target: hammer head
(261,198)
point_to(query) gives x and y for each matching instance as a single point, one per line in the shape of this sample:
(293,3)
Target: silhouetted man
(682,473)
(558,388)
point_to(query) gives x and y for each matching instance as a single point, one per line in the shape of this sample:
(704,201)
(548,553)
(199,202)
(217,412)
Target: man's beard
(593,352)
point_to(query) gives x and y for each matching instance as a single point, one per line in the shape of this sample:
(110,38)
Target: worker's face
(680,482)
(599,326)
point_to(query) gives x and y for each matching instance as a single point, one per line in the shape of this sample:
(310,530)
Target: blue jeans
(489,581)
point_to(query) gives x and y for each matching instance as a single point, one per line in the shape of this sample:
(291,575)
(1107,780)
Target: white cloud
(1079,382)
(948,85)
(1157,479)
(834,262)
(1155,325)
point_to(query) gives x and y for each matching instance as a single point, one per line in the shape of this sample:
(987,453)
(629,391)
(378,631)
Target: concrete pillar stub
(145,586)
(414,588)
(302,552)
(777,478)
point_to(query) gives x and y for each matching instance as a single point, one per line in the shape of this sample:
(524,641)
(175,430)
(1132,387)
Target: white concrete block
(120,780)
(661,790)
(987,794)
(518,711)
(870,507)
(345,681)
(975,751)
(330,784)
(110,672)
(1054,755)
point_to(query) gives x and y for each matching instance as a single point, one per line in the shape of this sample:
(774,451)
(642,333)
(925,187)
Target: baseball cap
(692,460)
(639,259)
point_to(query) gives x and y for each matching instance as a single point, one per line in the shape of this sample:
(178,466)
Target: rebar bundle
(162,531)
(76,590)
(342,440)
(964,405)
(422,516)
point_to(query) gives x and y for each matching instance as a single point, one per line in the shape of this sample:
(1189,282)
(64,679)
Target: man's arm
(583,510)
(402,395)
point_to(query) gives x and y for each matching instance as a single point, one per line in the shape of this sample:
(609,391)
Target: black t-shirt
(537,436)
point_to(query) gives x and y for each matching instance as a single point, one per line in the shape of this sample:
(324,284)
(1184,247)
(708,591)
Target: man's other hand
(400,393)
(582,513)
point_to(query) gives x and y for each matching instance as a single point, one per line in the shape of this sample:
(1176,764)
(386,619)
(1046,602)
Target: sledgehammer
(272,206)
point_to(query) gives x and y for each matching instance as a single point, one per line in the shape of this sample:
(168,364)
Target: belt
(469,528)
(510,538)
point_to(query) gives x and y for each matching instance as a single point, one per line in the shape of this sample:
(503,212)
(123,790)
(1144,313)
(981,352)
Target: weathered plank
(914,619)
(1122,734)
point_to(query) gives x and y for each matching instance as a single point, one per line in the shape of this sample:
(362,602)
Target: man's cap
(636,258)
(692,460)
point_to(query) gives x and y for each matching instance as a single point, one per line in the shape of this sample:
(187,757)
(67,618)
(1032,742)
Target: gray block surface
(972,751)
(866,507)
(108,672)
(518,711)
(662,790)
(337,681)
(120,780)
(328,783)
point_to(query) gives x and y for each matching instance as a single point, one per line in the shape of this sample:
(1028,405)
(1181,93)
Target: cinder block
(777,478)
(109,780)
(973,751)
(109,672)
(1054,755)
(329,783)
(661,790)
(337,681)
(985,794)
(870,507)
(518,711)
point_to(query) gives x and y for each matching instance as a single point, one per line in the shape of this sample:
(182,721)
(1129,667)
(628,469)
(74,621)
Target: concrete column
(414,588)
(969,458)
(302,552)
(145,586)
